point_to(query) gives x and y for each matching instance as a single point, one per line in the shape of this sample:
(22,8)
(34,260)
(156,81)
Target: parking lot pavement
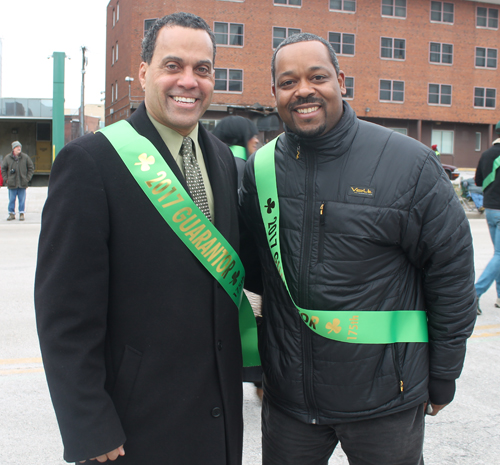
(465,433)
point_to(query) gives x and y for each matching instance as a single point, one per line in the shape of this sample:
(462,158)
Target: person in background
(436,151)
(17,171)
(370,230)
(486,178)
(140,342)
(241,135)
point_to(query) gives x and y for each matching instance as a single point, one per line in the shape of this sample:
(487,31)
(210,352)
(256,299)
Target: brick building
(426,68)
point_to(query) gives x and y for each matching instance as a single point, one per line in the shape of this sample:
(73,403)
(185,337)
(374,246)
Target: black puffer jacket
(405,247)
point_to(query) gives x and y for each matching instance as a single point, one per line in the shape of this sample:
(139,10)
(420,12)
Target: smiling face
(307,89)
(17,150)
(179,81)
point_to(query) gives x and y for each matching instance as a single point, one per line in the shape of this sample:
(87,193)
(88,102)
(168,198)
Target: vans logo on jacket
(362,191)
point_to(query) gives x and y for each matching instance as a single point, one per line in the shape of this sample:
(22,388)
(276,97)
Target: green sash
(239,151)
(360,327)
(491,177)
(200,236)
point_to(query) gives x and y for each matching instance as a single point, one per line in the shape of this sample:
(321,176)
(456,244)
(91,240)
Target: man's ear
(142,74)
(273,90)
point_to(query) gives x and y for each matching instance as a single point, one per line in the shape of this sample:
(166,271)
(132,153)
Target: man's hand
(433,409)
(113,455)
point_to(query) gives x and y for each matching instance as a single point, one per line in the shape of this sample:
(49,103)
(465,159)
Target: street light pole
(129,80)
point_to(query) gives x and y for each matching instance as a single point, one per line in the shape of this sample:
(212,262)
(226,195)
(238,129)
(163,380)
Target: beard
(308,132)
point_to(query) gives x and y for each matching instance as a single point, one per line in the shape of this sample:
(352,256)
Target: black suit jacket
(140,343)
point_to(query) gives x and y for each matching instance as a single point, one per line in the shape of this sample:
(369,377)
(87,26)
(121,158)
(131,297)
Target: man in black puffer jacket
(369,222)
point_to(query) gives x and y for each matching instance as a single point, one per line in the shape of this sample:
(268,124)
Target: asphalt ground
(467,432)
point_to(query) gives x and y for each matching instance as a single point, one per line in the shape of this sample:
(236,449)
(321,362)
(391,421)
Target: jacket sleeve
(31,169)
(438,241)
(71,289)
(4,170)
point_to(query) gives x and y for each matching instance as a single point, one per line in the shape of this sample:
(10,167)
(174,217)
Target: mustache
(304,101)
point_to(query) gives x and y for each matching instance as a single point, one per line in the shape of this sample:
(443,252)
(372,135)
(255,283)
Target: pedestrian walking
(486,178)
(17,171)
(138,325)
(366,266)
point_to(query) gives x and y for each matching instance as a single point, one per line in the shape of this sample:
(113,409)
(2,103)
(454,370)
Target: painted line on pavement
(481,333)
(14,366)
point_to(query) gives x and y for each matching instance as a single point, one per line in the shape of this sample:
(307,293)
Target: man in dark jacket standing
(369,232)
(486,178)
(140,343)
(17,171)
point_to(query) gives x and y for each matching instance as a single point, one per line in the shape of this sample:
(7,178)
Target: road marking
(479,331)
(14,366)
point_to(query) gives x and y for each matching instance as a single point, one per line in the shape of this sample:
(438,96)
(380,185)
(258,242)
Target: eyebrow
(180,60)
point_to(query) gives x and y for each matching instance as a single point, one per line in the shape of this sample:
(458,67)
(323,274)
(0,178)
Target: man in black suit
(140,343)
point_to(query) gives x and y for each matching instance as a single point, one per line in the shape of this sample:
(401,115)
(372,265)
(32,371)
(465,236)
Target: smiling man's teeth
(184,99)
(307,110)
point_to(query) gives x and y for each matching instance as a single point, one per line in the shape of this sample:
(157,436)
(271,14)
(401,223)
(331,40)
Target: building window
(400,130)
(442,12)
(343,44)
(228,80)
(487,17)
(281,33)
(441,53)
(444,141)
(209,124)
(343,5)
(349,87)
(288,2)
(395,8)
(478,142)
(439,94)
(392,91)
(393,49)
(112,93)
(148,23)
(114,17)
(486,57)
(117,11)
(112,55)
(116,91)
(485,98)
(228,34)
(116,52)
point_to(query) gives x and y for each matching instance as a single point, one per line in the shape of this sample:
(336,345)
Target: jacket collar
(334,143)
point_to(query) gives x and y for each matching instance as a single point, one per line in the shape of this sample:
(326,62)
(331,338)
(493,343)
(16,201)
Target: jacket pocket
(397,368)
(125,380)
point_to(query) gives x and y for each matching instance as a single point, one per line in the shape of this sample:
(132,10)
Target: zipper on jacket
(322,221)
(302,297)
(298,152)
(395,352)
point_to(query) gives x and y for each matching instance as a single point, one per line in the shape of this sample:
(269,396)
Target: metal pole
(82,106)
(58,104)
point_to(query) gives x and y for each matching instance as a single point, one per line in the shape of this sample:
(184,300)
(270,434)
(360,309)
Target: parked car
(451,171)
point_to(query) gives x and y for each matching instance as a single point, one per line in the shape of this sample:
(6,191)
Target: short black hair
(305,37)
(175,19)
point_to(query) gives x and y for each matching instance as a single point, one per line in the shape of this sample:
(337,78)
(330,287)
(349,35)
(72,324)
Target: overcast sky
(31,30)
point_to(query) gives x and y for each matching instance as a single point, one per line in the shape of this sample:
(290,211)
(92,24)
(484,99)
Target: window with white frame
(441,53)
(349,87)
(228,34)
(394,49)
(112,55)
(116,52)
(116,91)
(400,130)
(484,97)
(281,33)
(228,80)
(342,43)
(487,17)
(444,140)
(148,23)
(117,11)
(112,93)
(395,8)
(348,6)
(439,94)
(392,91)
(486,57)
(114,17)
(288,2)
(478,142)
(442,12)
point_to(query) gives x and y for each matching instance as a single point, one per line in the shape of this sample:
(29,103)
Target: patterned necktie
(193,176)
